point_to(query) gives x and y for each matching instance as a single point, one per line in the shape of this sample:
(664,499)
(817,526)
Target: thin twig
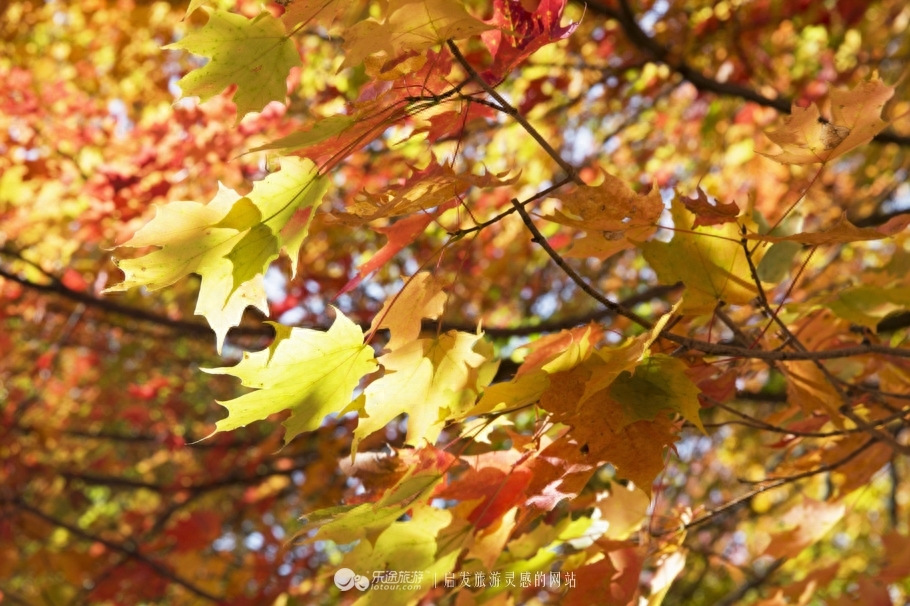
(613,306)
(515,114)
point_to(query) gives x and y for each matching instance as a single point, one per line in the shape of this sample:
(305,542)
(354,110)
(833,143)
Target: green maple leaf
(308,372)
(869,305)
(658,384)
(255,54)
(709,260)
(229,242)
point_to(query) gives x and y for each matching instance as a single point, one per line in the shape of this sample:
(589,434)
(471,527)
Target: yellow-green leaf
(869,305)
(310,373)
(709,260)
(255,54)
(317,133)
(256,250)
(191,241)
(426,379)
(229,242)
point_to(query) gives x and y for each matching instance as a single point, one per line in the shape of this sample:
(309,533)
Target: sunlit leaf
(254,54)
(310,373)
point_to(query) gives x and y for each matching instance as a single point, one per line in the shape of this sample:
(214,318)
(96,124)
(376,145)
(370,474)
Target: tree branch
(128,551)
(515,114)
(662,54)
(613,306)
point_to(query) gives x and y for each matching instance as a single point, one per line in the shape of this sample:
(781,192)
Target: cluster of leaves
(578,326)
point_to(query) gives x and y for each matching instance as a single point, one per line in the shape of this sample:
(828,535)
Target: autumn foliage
(507,302)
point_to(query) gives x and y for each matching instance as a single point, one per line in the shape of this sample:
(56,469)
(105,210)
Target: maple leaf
(599,432)
(192,242)
(425,470)
(671,565)
(322,12)
(497,486)
(869,305)
(451,123)
(194,4)
(548,355)
(433,190)
(412,26)
(308,372)
(558,351)
(400,234)
(423,190)
(520,32)
(229,242)
(658,384)
(625,509)
(810,521)
(421,297)
(856,119)
(430,379)
(411,545)
(324,129)
(608,363)
(709,261)
(255,54)
(808,387)
(841,232)
(707,213)
(613,217)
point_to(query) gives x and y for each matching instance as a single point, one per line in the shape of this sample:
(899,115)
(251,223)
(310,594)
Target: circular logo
(345,579)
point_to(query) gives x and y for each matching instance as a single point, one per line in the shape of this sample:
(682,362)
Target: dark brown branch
(230,480)
(125,550)
(750,421)
(515,114)
(192,328)
(195,329)
(740,592)
(455,235)
(613,306)
(774,483)
(662,54)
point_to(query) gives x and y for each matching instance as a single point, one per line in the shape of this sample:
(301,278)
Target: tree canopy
(507,302)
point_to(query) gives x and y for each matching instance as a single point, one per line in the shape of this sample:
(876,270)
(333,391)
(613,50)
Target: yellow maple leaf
(429,379)
(412,26)
(600,432)
(856,119)
(709,260)
(421,297)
